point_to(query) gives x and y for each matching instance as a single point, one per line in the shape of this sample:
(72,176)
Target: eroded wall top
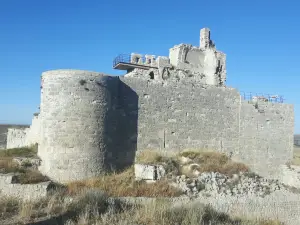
(204,63)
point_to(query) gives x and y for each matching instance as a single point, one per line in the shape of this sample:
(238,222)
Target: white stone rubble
(214,183)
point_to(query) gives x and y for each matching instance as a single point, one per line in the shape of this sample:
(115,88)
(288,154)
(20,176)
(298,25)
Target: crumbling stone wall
(34,131)
(16,137)
(21,137)
(205,63)
(182,115)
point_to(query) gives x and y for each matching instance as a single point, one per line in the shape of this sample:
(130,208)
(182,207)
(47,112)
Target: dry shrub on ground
(296,157)
(8,166)
(123,184)
(30,176)
(25,175)
(208,161)
(158,212)
(148,157)
(215,162)
(8,207)
(93,207)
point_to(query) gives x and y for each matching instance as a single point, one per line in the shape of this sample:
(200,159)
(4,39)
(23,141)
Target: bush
(215,162)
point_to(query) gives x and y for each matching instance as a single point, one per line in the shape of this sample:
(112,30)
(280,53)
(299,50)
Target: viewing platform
(132,61)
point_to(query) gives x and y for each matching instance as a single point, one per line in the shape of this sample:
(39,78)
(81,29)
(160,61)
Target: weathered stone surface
(9,187)
(78,124)
(148,172)
(21,137)
(216,184)
(189,115)
(16,137)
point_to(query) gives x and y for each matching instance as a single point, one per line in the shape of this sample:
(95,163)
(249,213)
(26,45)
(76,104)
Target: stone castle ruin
(92,122)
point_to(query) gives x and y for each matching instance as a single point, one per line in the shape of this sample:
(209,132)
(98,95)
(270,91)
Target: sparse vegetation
(30,151)
(88,204)
(149,157)
(296,158)
(206,161)
(124,184)
(93,207)
(24,174)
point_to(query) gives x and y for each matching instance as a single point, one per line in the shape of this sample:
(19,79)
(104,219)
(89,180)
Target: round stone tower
(76,122)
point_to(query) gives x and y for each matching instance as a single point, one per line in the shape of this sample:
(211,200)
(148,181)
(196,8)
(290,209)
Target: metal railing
(126,58)
(123,58)
(262,97)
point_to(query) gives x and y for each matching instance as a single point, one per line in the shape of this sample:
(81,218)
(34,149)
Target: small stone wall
(16,137)
(22,137)
(9,187)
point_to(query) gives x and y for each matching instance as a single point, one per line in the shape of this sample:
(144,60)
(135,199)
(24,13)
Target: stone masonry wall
(34,131)
(90,123)
(180,115)
(8,187)
(183,115)
(21,137)
(266,136)
(16,137)
(78,122)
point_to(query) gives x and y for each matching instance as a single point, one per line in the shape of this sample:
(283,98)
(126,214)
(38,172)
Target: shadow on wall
(122,129)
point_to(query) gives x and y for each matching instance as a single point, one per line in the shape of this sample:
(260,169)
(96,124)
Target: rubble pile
(214,183)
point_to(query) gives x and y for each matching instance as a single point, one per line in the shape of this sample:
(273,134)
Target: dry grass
(123,184)
(208,161)
(25,175)
(29,152)
(93,207)
(8,207)
(8,166)
(214,162)
(296,158)
(30,176)
(149,157)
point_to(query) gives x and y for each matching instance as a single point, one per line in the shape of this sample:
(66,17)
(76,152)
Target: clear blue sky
(261,40)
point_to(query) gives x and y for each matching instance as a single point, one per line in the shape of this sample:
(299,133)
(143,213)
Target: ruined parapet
(136,58)
(150,60)
(23,137)
(203,64)
(77,124)
(33,133)
(17,137)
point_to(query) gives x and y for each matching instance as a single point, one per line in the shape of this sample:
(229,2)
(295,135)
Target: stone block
(144,172)
(148,172)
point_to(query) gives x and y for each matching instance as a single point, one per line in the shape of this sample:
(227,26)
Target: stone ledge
(9,188)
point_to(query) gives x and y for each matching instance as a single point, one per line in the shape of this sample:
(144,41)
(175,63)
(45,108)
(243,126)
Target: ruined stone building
(92,122)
